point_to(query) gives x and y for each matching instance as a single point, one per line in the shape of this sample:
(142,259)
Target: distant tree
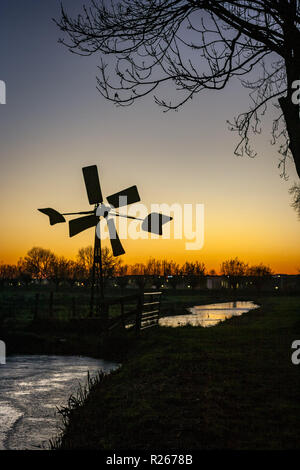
(122,270)
(259,274)
(154,267)
(85,259)
(77,273)
(196,45)
(8,274)
(110,263)
(24,275)
(194,273)
(60,270)
(234,270)
(38,262)
(259,270)
(137,269)
(172,272)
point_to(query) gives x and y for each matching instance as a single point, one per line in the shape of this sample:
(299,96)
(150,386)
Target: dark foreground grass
(232,386)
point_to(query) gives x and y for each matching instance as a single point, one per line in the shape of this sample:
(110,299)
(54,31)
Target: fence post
(159,308)
(139,310)
(36,306)
(51,305)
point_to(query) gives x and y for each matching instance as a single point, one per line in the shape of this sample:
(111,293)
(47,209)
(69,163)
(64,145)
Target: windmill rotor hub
(103,210)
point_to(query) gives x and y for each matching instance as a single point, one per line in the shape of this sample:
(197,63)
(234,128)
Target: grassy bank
(232,386)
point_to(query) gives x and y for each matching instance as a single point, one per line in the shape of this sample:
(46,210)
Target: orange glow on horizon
(139,251)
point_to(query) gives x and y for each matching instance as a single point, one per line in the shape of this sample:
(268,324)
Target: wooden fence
(145,313)
(139,310)
(150,310)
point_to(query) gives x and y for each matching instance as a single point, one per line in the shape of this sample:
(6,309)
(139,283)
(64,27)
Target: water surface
(209,315)
(31,387)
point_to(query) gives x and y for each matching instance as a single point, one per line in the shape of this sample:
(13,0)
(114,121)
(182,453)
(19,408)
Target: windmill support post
(97,284)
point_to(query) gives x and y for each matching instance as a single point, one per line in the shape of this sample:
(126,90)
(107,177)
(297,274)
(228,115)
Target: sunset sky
(55,122)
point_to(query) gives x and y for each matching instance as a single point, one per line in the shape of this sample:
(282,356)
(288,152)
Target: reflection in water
(209,315)
(31,387)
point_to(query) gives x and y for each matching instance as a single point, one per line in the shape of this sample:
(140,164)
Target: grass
(232,386)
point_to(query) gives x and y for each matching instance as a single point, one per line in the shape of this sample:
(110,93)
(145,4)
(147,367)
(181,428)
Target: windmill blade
(153,222)
(92,184)
(116,245)
(125,197)
(54,216)
(82,223)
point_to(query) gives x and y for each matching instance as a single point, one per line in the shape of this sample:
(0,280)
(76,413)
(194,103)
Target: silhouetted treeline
(41,265)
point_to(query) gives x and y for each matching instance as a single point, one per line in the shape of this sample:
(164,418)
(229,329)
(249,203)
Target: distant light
(189,286)
(276,287)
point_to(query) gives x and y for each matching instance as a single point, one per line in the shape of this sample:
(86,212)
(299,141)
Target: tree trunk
(292,65)
(291,116)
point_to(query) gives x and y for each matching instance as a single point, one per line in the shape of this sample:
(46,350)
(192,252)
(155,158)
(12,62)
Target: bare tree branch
(174,49)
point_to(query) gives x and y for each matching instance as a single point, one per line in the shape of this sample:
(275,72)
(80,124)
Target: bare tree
(77,273)
(259,274)
(295,192)
(234,270)
(194,273)
(172,272)
(196,45)
(85,258)
(60,270)
(24,275)
(38,262)
(110,264)
(8,274)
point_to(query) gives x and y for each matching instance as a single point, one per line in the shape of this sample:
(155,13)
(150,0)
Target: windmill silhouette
(151,223)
